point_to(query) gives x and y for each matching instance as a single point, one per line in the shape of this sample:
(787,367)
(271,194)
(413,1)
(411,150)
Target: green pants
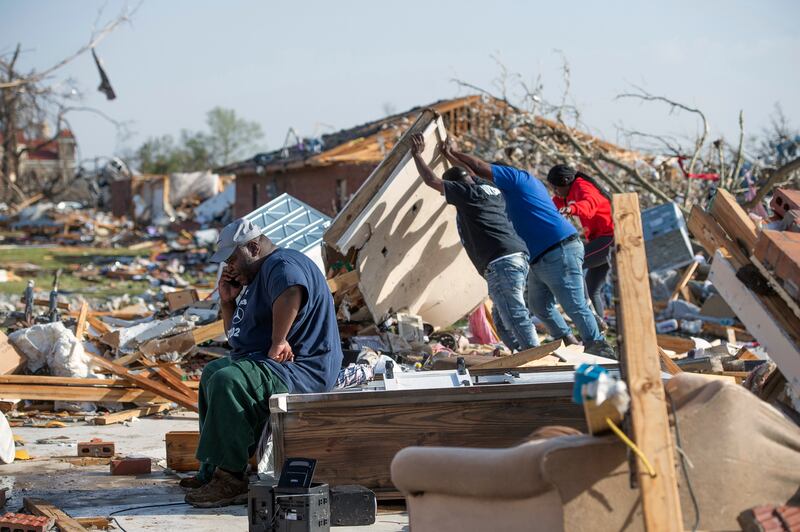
(234,407)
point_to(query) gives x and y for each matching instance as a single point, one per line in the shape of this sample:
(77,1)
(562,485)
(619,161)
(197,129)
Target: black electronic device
(295,504)
(297,473)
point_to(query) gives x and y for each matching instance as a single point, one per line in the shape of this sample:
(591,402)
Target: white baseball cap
(237,233)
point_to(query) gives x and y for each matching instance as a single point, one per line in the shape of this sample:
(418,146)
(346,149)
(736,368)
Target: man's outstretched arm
(417,147)
(478,166)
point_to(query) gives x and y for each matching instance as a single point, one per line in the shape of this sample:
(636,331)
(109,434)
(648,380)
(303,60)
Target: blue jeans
(558,276)
(506,278)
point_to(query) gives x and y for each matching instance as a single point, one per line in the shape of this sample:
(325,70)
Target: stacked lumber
(743,272)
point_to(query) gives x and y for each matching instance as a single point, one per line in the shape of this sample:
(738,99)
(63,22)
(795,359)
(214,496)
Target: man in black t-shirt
(492,245)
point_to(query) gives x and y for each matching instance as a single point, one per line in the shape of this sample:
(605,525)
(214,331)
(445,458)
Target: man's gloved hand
(281,352)
(566,211)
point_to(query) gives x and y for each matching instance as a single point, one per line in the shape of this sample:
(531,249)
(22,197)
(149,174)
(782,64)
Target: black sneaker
(600,348)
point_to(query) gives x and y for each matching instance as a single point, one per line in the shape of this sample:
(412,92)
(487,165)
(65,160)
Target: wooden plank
(523,357)
(126,415)
(777,286)
(640,356)
(103,523)
(65,381)
(181,449)
(10,359)
(734,220)
(687,275)
(678,344)
(344,281)
(208,332)
(64,522)
(37,392)
(763,324)
(668,364)
(713,237)
(39,302)
(98,325)
(171,379)
(721,331)
(147,384)
(80,326)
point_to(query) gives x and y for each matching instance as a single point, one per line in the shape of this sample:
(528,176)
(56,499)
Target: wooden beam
(144,382)
(52,380)
(171,379)
(687,275)
(39,302)
(101,327)
(669,365)
(712,237)
(678,344)
(64,522)
(639,349)
(126,415)
(103,523)
(38,392)
(734,220)
(344,281)
(208,332)
(80,326)
(518,359)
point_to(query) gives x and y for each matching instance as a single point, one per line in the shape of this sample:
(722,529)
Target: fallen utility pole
(640,357)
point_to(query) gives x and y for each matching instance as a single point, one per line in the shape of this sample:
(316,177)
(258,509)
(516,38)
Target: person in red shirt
(580,196)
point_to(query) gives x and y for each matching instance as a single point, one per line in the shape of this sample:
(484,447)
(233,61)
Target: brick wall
(320,187)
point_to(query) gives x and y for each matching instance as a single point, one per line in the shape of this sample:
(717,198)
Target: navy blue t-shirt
(530,209)
(314,335)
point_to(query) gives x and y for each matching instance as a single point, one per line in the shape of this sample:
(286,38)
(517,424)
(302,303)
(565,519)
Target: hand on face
(281,352)
(229,287)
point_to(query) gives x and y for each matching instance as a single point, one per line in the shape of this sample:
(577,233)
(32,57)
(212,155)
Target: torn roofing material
(290,223)
(410,255)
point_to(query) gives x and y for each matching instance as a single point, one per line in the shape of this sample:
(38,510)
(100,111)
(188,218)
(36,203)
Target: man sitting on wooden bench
(283,338)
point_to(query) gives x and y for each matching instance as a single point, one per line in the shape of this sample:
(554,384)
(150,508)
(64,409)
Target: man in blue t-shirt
(281,325)
(556,268)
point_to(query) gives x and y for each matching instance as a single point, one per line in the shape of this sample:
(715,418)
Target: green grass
(51,259)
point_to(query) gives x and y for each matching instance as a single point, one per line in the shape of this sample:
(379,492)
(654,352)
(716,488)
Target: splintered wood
(640,356)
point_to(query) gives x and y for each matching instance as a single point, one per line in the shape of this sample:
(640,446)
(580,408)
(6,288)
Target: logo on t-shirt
(238,315)
(490,190)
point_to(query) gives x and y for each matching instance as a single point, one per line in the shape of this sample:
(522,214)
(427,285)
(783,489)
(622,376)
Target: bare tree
(29,100)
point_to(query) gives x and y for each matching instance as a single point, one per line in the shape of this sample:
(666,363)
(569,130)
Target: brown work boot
(223,490)
(568,340)
(192,483)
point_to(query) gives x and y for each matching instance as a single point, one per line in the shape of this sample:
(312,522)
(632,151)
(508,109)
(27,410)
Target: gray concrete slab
(89,490)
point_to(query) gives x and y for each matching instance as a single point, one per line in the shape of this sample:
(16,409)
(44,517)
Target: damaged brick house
(44,158)
(325,172)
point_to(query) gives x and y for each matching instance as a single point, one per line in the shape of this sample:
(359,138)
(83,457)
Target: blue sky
(310,65)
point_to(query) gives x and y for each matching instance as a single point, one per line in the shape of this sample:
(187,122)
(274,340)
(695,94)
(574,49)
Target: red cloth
(590,206)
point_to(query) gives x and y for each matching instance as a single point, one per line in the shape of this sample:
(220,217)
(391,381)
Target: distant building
(44,157)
